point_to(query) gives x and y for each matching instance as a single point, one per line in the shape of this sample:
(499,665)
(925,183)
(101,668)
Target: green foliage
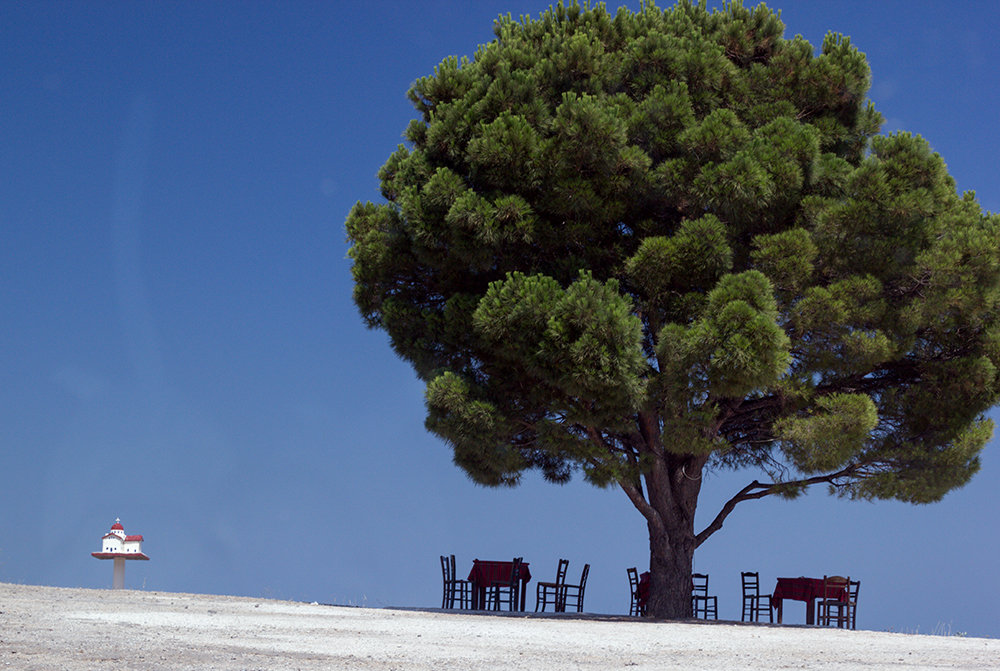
(829,434)
(670,273)
(788,258)
(748,350)
(476,430)
(614,242)
(581,344)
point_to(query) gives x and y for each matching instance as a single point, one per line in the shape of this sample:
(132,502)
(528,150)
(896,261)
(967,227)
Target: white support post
(118,582)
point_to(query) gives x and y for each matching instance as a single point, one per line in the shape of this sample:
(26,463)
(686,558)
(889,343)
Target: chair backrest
(699,584)
(853,587)
(561,571)
(834,586)
(633,586)
(446,571)
(751,583)
(515,571)
(583,577)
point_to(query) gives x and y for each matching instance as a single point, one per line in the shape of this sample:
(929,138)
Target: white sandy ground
(51,628)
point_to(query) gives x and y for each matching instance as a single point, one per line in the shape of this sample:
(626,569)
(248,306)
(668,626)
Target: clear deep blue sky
(179,347)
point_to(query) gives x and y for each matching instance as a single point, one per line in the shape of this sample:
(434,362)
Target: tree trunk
(673,486)
(670,562)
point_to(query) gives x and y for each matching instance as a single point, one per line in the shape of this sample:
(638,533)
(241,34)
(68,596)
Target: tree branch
(758,490)
(635,495)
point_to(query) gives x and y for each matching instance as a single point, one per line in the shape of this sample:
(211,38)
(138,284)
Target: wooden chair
(634,609)
(843,613)
(455,589)
(702,604)
(573,594)
(835,596)
(554,589)
(506,592)
(754,603)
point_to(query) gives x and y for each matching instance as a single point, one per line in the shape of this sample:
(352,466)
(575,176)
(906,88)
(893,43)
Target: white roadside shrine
(116,545)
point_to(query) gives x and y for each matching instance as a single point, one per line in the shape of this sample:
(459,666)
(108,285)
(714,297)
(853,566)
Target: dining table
(804,589)
(485,572)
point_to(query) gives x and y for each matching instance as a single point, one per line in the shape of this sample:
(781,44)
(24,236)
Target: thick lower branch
(758,490)
(642,505)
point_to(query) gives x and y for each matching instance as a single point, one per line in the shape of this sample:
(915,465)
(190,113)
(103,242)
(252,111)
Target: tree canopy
(645,244)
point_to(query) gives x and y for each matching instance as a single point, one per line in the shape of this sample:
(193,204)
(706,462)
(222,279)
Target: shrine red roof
(136,537)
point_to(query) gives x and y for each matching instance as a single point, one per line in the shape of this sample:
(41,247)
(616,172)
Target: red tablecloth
(486,572)
(642,591)
(804,589)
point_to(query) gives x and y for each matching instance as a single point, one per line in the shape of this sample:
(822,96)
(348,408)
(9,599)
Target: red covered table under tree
(485,572)
(804,589)
(642,592)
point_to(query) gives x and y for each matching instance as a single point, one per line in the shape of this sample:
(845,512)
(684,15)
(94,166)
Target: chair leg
(542,599)
(448,601)
(752,608)
(844,616)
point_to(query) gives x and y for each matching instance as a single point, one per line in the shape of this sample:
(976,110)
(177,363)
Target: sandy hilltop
(84,629)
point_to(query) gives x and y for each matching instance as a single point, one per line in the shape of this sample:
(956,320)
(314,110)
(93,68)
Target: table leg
(811,611)
(778,609)
(520,604)
(478,597)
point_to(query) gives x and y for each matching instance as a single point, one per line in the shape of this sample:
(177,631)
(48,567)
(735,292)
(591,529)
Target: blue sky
(179,346)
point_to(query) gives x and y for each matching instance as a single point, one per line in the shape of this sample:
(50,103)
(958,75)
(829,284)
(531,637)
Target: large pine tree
(644,245)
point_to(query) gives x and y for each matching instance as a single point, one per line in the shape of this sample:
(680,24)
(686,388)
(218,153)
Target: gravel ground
(83,629)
